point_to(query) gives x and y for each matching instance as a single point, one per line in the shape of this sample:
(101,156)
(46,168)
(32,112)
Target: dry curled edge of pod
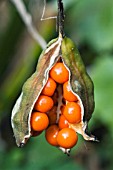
(81,86)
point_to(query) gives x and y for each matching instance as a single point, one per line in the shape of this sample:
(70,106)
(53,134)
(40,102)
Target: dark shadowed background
(89,24)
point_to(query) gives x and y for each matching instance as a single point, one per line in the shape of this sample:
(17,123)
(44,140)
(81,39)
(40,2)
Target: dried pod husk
(80,84)
(32,88)
(80,81)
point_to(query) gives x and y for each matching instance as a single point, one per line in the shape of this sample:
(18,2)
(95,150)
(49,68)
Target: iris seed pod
(80,83)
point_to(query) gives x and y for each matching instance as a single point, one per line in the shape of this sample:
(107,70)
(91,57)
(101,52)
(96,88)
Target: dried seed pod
(64,50)
(80,84)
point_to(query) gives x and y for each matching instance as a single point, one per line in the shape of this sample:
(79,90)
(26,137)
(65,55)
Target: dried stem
(60,18)
(27,19)
(47,18)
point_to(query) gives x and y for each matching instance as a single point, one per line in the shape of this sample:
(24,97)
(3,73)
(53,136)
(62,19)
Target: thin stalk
(60,18)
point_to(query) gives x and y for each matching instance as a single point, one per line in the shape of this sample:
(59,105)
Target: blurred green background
(89,23)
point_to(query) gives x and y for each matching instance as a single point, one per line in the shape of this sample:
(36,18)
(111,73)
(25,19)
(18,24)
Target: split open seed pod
(62,49)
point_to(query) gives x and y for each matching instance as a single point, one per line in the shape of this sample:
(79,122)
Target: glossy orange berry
(52,115)
(51,135)
(44,103)
(39,121)
(72,112)
(49,88)
(59,73)
(63,123)
(67,94)
(67,138)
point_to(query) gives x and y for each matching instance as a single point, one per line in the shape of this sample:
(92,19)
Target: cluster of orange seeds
(56,108)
